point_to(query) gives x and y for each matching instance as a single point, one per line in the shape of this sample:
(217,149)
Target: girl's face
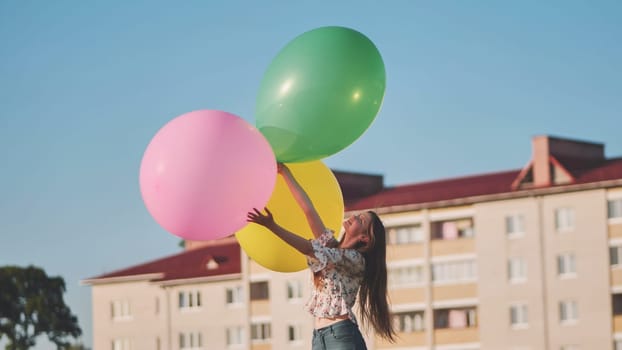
(358,232)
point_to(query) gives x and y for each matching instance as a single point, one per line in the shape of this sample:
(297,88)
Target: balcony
(260,308)
(454,291)
(407,295)
(452,237)
(455,325)
(616,277)
(451,247)
(456,335)
(616,304)
(615,230)
(405,251)
(404,339)
(266,346)
(410,328)
(452,229)
(260,298)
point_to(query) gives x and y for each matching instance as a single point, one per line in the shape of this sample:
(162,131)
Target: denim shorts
(343,335)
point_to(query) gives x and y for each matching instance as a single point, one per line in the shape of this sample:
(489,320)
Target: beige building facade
(527,259)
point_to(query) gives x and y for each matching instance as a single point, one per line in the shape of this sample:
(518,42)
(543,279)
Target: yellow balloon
(270,251)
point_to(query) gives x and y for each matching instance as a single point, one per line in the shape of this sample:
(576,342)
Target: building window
(121,344)
(406,276)
(294,333)
(409,322)
(568,311)
(120,310)
(455,318)
(189,300)
(454,271)
(190,340)
(517,270)
(235,296)
(515,225)
(566,265)
(614,208)
(235,336)
(564,219)
(260,290)
(406,235)
(294,290)
(455,229)
(615,255)
(616,301)
(518,316)
(260,332)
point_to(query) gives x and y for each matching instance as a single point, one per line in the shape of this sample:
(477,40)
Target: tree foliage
(31,304)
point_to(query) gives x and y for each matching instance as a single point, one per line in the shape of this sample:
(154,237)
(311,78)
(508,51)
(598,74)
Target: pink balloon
(203,171)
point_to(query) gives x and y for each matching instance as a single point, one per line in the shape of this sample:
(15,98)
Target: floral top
(341,273)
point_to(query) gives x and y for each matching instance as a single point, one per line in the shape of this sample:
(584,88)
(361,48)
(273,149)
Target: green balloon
(320,93)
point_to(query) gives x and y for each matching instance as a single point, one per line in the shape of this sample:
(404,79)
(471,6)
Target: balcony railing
(456,335)
(410,339)
(454,246)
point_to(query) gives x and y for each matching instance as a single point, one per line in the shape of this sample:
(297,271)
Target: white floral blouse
(341,273)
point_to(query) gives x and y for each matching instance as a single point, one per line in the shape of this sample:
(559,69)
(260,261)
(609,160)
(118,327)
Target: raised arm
(302,198)
(300,244)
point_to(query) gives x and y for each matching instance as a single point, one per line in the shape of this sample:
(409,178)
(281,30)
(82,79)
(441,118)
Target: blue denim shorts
(343,335)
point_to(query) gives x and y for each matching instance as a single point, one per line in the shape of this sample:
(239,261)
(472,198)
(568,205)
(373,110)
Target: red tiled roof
(188,264)
(583,171)
(440,190)
(586,172)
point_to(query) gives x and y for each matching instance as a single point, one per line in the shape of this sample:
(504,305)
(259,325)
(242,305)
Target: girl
(354,265)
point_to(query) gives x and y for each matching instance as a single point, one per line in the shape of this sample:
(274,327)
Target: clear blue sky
(84,86)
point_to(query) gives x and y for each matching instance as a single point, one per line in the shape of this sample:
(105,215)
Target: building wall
(496,292)
(211,319)
(544,288)
(155,312)
(141,325)
(155,315)
(590,286)
(282,311)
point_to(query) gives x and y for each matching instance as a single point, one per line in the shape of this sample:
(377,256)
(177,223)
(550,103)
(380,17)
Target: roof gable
(559,175)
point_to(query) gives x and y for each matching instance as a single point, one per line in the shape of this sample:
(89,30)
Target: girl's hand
(266,220)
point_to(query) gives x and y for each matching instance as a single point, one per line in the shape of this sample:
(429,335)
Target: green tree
(31,304)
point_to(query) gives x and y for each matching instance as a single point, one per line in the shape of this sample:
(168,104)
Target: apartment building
(526,259)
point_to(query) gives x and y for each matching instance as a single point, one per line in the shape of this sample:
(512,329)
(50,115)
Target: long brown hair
(372,298)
